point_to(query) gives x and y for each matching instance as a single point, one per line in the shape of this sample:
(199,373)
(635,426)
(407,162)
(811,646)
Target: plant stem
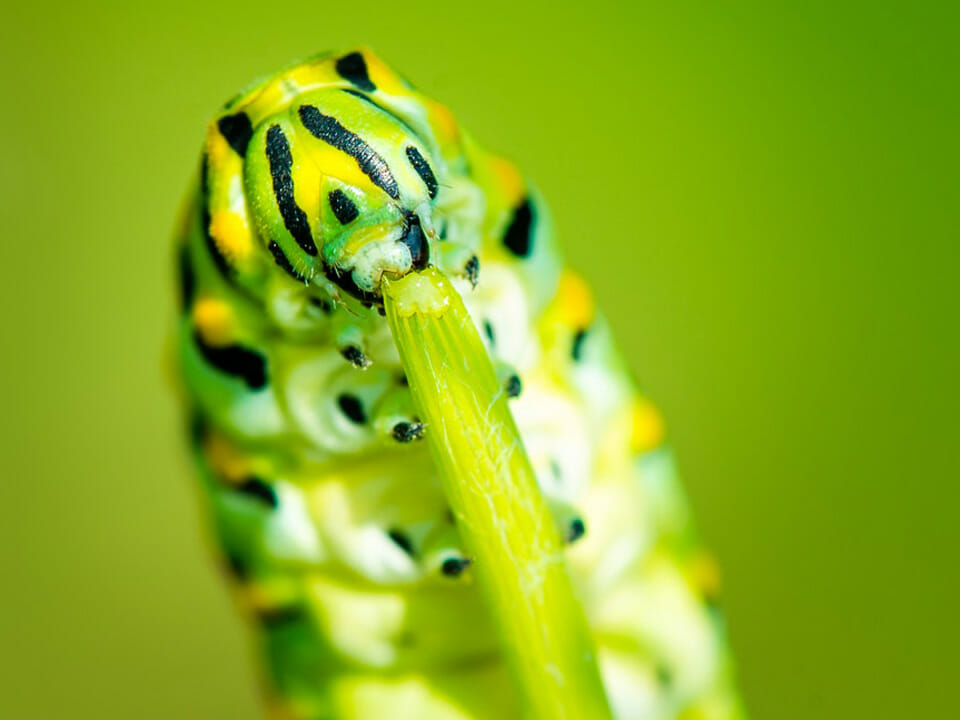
(493,493)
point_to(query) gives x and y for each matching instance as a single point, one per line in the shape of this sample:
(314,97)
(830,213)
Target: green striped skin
(323,497)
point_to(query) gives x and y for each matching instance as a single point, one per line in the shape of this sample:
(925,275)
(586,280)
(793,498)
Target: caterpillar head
(340,187)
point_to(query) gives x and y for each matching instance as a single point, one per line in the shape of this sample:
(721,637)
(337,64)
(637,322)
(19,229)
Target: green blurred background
(764,196)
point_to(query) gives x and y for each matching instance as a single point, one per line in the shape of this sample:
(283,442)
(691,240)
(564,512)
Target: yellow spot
(230,233)
(704,574)
(217,149)
(311,75)
(576,300)
(385,79)
(648,430)
(225,459)
(213,319)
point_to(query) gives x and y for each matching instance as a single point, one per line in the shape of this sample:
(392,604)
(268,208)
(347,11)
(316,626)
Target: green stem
(503,519)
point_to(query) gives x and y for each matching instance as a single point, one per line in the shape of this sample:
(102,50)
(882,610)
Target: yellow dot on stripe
(213,319)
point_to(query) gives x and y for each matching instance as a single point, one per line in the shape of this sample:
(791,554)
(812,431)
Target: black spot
(402,540)
(187,279)
(513,387)
(329,129)
(402,380)
(351,407)
(472,270)
(454,567)
(576,349)
(281,164)
(423,169)
(237,361)
(488,330)
(237,131)
(414,239)
(576,530)
(283,262)
(519,235)
(237,566)
(259,490)
(353,69)
(408,432)
(198,428)
(355,356)
(343,207)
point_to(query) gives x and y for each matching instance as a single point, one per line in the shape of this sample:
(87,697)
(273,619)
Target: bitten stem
(501,514)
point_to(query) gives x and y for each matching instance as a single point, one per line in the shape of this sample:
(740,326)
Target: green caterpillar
(314,184)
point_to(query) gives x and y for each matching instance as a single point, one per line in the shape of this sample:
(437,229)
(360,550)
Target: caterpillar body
(315,184)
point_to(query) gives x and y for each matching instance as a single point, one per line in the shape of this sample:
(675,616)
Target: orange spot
(648,430)
(508,180)
(213,319)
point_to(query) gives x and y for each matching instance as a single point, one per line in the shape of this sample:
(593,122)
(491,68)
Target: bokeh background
(764,195)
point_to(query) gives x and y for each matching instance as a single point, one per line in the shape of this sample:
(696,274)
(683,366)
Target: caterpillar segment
(314,185)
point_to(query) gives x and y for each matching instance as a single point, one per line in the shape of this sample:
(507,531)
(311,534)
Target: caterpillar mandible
(316,184)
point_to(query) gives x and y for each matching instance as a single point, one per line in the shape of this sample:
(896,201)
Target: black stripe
(353,68)
(187,279)
(218,257)
(343,207)
(423,170)
(284,262)
(237,131)
(281,163)
(237,361)
(259,490)
(330,130)
(519,235)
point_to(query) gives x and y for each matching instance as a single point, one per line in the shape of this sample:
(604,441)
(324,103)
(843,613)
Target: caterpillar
(314,185)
